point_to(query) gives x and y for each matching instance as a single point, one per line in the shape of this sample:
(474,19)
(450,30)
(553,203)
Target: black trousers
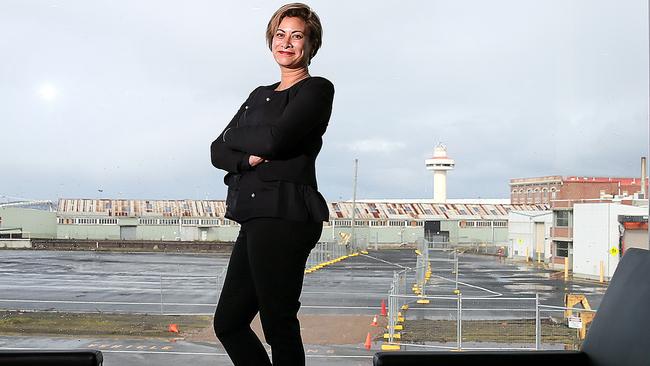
(265,274)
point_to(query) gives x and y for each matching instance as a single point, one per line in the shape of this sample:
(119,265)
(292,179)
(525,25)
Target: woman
(269,150)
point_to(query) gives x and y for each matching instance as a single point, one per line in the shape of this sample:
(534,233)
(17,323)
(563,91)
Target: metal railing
(398,301)
(483,323)
(473,323)
(324,252)
(438,256)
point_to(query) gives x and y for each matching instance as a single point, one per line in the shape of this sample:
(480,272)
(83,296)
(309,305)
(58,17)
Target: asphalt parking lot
(190,284)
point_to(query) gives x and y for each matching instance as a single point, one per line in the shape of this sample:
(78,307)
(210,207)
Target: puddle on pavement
(529,287)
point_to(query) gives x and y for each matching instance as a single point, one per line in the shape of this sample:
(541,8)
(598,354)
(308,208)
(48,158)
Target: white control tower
(440,163)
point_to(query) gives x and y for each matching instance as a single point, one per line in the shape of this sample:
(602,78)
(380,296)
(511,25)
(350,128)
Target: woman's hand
(254,160)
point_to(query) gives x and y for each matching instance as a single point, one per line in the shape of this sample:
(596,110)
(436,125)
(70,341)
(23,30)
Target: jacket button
(268,99)
(253,195)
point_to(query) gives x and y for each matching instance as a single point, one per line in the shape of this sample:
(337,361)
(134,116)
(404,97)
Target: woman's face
(290,45)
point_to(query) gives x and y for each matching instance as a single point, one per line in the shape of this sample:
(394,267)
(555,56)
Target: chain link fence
(469,322)
(564,327)
(327,251)
(472,323)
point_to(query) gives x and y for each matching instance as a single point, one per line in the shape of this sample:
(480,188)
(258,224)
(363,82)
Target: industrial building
(562,192)
(463,222)
(528,235)
(601,233)
(20,222)
(376,221)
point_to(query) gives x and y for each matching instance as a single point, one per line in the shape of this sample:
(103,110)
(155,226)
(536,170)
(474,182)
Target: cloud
(141,93)
(375,145)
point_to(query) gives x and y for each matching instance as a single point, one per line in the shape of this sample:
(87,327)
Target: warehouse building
(376,221)
(124,219)
(20,222)
(529,235)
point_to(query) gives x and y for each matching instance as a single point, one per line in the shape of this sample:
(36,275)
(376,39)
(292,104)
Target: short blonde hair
(304,12)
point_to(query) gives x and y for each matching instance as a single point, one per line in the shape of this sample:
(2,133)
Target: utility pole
(354,204)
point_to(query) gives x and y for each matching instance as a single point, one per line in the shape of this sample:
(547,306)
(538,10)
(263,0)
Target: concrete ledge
(15,243)
(132,245)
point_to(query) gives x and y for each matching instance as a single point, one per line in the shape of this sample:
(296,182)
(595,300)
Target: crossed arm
(226,158)
(311,107)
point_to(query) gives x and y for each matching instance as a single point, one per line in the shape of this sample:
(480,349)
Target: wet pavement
(175,283)
(118,351)
(190,283)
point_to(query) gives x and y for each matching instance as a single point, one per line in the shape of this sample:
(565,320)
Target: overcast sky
(126,96)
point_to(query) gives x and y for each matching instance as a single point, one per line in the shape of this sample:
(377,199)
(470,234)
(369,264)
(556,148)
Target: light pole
(353,237)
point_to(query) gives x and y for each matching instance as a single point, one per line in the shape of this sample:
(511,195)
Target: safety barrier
(326,253)
(461,322)
(482,323)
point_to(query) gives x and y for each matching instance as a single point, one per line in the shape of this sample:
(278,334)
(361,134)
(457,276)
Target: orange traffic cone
(368,343)
(383,308)
(374,321)
(173,328)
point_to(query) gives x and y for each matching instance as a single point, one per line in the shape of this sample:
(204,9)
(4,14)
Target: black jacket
(285,127)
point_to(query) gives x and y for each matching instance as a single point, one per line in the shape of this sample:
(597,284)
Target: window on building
(562,218)
(562,249)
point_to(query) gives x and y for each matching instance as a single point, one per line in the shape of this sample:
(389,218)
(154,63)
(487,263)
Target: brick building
(562,192)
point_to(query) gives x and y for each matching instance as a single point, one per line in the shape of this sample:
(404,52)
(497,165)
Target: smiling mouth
(285,53)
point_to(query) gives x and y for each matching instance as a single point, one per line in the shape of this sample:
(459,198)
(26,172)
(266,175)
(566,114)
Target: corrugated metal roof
(366,209)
